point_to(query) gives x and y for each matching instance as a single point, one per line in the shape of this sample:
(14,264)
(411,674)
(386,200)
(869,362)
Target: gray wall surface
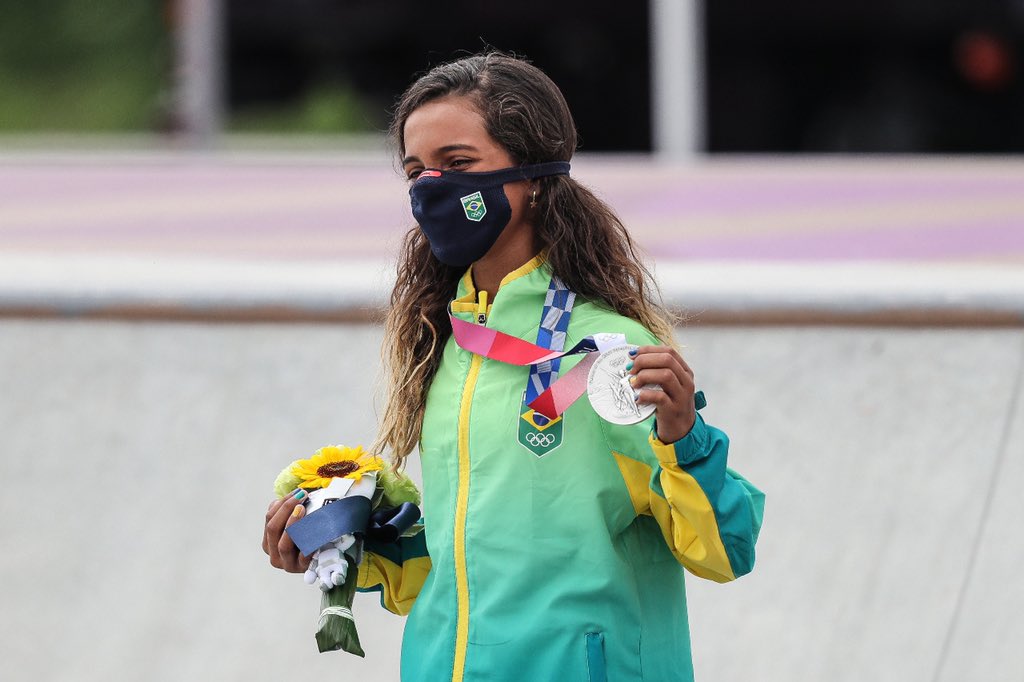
(137,460)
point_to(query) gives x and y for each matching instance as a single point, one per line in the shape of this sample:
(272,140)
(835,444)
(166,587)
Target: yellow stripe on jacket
(400,583)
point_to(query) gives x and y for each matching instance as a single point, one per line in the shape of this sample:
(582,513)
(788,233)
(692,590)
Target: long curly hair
(586,244)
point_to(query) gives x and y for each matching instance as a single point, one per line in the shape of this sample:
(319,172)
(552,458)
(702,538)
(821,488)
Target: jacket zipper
(481,308)
(461,505)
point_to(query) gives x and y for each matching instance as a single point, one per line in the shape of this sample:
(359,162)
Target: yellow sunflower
(334,461)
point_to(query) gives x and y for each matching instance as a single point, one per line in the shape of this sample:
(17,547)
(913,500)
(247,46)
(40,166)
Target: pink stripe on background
(729,197)
(983,239)
(288,209)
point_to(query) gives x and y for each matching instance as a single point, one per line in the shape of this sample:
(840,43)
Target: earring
(533,199)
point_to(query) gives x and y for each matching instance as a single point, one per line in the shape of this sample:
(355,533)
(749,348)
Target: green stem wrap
(337,629)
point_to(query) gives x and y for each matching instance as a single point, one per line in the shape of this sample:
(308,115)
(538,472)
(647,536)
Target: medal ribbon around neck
(496,345)
(554,322)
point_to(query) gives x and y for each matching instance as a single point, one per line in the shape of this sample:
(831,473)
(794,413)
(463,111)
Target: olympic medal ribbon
(573,384)
(503,347)
(551,334)
(564,391)
(506,348)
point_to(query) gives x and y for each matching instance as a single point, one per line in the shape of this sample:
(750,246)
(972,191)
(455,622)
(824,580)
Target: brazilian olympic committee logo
(540,440)
(537,433)
(473,205)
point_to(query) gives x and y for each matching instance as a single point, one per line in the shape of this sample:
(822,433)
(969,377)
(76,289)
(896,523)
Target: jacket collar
(523,280)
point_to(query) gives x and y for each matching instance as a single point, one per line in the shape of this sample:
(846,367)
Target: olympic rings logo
(542,440)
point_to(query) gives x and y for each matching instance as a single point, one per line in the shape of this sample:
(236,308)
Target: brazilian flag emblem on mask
(474,207)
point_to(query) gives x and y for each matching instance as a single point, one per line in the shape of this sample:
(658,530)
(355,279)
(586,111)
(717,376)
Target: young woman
(552,547)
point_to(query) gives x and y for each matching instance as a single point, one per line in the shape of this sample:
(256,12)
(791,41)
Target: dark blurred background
(780,76)
(875,75)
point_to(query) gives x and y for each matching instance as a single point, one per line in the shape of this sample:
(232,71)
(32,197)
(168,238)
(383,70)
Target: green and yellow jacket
(557,557)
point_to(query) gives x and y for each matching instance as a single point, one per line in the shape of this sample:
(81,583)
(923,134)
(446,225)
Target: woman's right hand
(279,547)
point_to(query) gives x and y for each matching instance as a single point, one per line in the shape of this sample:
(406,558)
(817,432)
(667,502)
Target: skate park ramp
(139,458)
(138,449)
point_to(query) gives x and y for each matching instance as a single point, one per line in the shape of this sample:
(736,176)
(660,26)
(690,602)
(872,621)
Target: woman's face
(449,134)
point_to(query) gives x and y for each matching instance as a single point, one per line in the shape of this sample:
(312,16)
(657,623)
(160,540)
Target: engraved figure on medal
(609,390)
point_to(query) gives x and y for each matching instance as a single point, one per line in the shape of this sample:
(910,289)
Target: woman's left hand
(675,408)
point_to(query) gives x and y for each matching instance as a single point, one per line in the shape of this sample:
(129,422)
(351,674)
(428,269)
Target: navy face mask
(463,214)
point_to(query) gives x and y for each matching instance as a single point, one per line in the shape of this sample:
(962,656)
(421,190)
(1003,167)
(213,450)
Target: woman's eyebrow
(456,148)
(443,150)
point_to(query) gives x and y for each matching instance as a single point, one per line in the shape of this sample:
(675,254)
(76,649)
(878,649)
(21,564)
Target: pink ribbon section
(499,346)
(566,390)
(503,347)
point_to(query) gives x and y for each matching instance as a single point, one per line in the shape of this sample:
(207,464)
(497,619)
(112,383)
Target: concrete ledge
(161,287)
(902,293)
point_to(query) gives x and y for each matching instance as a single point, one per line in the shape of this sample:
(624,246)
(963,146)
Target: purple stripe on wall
(291,210)
(984,239)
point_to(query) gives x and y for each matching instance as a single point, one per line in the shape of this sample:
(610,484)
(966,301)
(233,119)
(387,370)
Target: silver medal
(609,391)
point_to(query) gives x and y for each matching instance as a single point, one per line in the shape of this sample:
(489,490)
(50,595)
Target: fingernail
(300,494)
(632,379)
(632,352)
(629,366)
(297,512)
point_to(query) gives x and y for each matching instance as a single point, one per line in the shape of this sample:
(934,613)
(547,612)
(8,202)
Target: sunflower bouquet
(352,497)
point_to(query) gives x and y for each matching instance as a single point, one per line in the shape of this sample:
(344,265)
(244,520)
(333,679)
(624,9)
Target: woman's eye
(413,174)
(459,163)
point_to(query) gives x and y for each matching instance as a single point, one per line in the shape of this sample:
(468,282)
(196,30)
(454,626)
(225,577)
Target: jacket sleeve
(709,515)
(397,570)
